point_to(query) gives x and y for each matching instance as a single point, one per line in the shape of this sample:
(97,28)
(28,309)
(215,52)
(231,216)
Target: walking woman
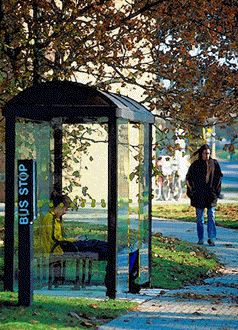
(203,188)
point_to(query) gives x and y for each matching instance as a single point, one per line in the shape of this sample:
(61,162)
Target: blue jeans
(211,226)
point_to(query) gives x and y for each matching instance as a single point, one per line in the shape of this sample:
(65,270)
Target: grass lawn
(61,313)
(226,214)
(176,263)
(226,155)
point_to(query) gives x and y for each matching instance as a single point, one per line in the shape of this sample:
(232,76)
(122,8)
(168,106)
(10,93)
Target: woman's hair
(201,149)
(57,199)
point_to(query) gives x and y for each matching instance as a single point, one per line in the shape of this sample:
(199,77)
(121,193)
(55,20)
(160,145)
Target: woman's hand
(189,185)
(76,238)
(80,238)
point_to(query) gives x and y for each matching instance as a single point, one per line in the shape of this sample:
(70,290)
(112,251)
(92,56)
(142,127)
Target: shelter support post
(112,207)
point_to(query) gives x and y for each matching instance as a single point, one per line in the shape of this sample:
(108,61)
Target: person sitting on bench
(53,232)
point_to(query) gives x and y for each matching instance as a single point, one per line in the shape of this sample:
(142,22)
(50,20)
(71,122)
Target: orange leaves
(169,50)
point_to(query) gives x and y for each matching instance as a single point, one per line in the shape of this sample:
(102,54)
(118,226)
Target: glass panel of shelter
(84,157)
(85,180)
(144,204)
(139,197)
(33,141)
(123,207)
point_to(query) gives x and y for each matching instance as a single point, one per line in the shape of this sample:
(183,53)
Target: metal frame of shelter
(71,102)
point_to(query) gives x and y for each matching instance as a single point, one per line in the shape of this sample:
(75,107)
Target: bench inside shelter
(81,257)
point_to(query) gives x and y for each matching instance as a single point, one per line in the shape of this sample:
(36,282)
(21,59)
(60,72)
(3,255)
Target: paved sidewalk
(212,306)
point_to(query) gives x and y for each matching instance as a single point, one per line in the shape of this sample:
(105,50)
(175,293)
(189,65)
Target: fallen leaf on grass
(34,321)
(82,320)
(134,309)
(36,313)
(95,306)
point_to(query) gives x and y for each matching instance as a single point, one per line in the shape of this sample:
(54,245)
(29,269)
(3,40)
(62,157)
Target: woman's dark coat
(204,192)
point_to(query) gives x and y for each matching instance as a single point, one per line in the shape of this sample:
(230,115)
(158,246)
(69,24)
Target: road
(230,178)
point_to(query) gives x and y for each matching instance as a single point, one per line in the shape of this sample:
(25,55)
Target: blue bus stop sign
(26,216)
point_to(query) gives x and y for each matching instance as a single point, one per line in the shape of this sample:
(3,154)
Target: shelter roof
(72,100)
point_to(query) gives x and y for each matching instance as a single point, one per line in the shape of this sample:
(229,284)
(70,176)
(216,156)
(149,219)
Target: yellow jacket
(51,225)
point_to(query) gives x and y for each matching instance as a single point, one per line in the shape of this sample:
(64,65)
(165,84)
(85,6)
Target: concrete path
(226,244)
(212,306)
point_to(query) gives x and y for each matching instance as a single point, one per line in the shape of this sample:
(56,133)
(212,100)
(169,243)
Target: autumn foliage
(180,56)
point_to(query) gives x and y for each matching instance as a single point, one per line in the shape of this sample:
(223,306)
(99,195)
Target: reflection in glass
(123,208)
(139,195)
(143,203)
(84,156)
(33,141)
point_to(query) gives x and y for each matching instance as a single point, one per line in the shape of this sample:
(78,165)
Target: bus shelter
(94,146)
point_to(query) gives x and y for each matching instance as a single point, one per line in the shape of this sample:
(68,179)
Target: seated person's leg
(57,272)
(93,245)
